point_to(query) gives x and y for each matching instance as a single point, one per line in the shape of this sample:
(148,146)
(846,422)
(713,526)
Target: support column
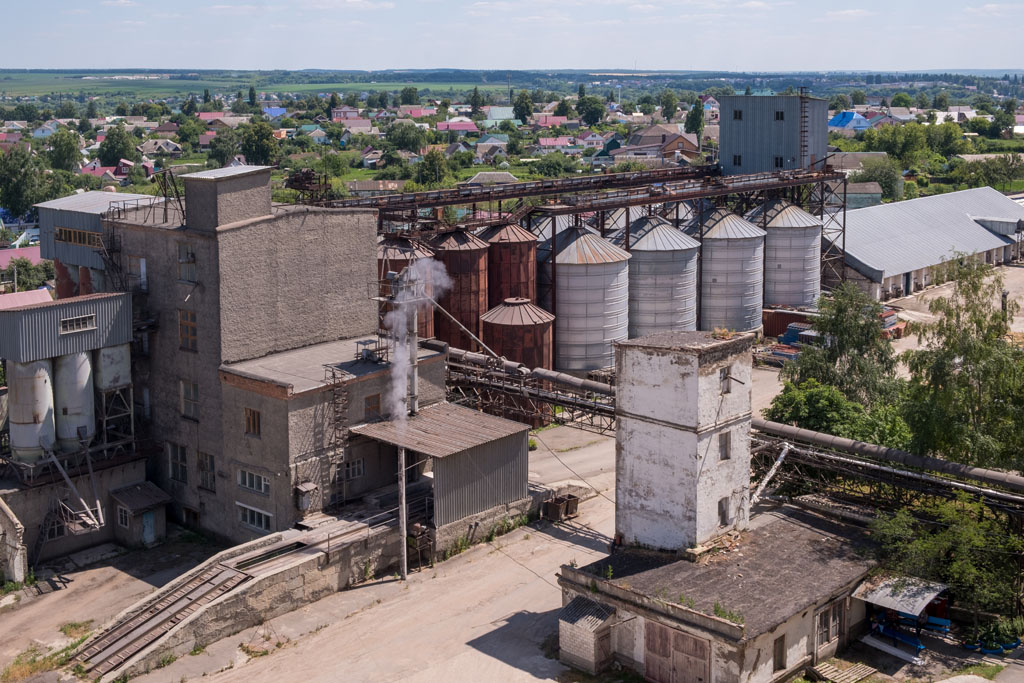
(403,514)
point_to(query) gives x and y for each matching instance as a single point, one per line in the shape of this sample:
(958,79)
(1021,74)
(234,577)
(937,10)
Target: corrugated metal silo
(732,273)
(662,277)
(591,299)
(511,264)
(792,254)
(520,331)
(30,409)
(73,401)
(395,253)
(464,256)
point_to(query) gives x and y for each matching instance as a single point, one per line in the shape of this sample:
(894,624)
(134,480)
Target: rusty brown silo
(464,256)
(511,263)
(520,331)
(395,253)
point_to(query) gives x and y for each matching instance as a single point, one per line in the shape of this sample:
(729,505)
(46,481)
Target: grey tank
(732,277)
(792,259)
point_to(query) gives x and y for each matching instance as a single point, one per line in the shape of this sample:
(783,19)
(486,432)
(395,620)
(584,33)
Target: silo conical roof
(722,224)
(652,233)
(581,247)
(783,214)
(395,247)
(517,311)
(456,240)
(506,234)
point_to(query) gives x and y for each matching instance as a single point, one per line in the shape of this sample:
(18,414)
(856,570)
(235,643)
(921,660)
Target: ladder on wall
(337,437)
(805,135)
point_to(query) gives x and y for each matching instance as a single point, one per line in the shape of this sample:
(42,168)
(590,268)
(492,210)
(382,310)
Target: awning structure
(901,593)
(441,430)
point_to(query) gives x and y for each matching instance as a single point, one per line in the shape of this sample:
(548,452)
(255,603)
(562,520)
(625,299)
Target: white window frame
(354,469)
(833,614)
(251,481)
(123,517)
(248,516)
(79,323)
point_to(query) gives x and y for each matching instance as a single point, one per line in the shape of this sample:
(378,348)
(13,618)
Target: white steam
(423,277)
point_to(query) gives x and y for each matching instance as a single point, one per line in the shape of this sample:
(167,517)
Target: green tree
(84,126)
(885,172)
(853,356)
(839,102)
(206,96)
(523,106)
(694,122)
(352,99)
(91,110)
(189,108)
(334,101)
(941,100)
(902,99)
(252,96)
(563,108)
(189,130)
(407,136)
(476,103)
(591,109)
(858,97)
(258,144)
(30,276)
(224,146)
(433,169)
(19,181)
(669,103)
(922,100)
(410,95)
(957,542)
(581,92)
(119,144)
(64,149)
(66,110)
(556,164)
(966,388)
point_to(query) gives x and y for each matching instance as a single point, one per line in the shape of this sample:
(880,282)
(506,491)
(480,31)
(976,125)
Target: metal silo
(395,253)
(792,254)
(73,401)
(464,256)
(732,273)
(30,409)
(590,299)
(662,277)
(511,264)
(520,331)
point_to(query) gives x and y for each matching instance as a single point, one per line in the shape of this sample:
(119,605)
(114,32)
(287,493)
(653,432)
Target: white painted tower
(682,452)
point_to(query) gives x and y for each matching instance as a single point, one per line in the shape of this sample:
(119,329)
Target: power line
(578,475)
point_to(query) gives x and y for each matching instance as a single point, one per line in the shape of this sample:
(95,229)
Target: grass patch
(76,629)
(34,661)
(988,671)
(8,587)
(728,615)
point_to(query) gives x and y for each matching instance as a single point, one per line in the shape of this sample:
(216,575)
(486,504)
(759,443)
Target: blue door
(149,527)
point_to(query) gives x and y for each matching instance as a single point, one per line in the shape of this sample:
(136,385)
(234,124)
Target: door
(672,656)
(149,527)
(907,282)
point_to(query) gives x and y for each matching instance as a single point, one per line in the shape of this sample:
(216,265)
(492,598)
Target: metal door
(149,527)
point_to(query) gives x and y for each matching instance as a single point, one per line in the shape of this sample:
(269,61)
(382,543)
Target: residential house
(670,140)
(456,148)
(847,123)
(590,140)
(228,122)
(210,115)
(160,146)
(237,160)
(45,130)
(344,113)
(205,140)
(168,129)
(275,113)
(415,111)
(16,125)
(500,113)
(319,136)
(370,157)
(562,143)
(123,168)
(458,127)
(549,120)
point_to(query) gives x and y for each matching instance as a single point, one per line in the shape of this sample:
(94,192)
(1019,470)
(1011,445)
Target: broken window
(724,445)
(723,511)
(723,378)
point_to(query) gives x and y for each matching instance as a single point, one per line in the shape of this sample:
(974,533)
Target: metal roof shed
(479,461)
(901,593)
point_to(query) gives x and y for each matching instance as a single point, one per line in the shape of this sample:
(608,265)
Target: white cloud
(995,9)
(754,4)
(845,15)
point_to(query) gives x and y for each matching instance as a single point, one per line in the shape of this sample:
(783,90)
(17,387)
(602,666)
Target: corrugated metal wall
(758,138)
(72,254)
(34,333)
(481,478)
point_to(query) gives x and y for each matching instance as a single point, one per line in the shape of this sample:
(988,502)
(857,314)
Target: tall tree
(64,149)
(694,122)
(91,110)
(224,146)
(669,103)
(410,95)
(19,181)
(407,136)
(902,99)
(581,92)
(119,144)
(433,169)
(206,96)
(941,101)
(590,109)
(563,108)
(252,96)
(922,100)
(334,101)
(858,97)
(476,103)
(258,143)
(523,106)
(189,108)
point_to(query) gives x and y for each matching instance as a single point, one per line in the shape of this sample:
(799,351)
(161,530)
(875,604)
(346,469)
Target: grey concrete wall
(211,203)
(296,279)
(132,536)
(13,553)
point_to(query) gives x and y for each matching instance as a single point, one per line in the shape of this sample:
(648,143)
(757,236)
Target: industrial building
(897,249)
(772,133)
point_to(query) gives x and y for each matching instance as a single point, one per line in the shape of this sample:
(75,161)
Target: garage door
(672,656)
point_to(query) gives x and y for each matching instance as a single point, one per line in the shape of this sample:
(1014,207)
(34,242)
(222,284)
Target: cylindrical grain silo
(792,254)
(112,367)
(511,264)
(662,277)
(520,331)
(590,299)
(73,401)
(464,256)
(30,409)
(732,273)
(394,254)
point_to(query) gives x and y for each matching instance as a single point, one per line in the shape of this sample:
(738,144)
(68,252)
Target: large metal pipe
(993,477)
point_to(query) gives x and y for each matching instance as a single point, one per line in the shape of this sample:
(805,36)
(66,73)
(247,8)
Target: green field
(21,83)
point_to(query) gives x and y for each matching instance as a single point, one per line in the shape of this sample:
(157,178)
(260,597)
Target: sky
(729,35)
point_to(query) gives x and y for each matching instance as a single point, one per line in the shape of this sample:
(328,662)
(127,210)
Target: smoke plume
(423,277)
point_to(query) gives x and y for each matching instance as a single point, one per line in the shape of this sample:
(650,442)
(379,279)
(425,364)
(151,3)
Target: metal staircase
(337,437)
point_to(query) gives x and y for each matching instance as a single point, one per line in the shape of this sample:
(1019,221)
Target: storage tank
(792,254)
(732,273)
(464,256)
(112,367)
(395,253)
(591,303)
(662,277)
(520,331)
(30,409)
(73,401)
(511,264)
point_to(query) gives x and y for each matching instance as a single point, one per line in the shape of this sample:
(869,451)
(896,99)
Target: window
(724,380)
(178,462)
(252,422)
(830,622)
(78,324)
(737,114)
(82,238)
(779,654)
(187,330)
(253,482)
(137,273)
(779,162)
(207,474)
(253,518)
(56,530)
(724,445)
(189,400)
(354,469)
(371,407)
(737,160)
(122,516)
(723,511)
(780,116)
(186,263)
